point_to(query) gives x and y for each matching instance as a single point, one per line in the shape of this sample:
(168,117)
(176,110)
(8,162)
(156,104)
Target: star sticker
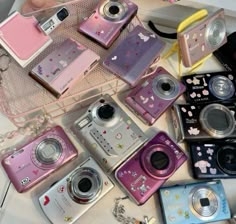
(120,146)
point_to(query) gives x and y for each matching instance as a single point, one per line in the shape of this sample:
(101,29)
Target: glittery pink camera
(150,167)
(36,160)
(107,21)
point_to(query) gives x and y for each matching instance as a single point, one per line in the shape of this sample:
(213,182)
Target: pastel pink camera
(202,38)
(107,21)
(36,160)
(149,168)
(153,96)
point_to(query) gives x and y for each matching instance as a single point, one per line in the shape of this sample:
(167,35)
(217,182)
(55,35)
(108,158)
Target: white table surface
(24,208)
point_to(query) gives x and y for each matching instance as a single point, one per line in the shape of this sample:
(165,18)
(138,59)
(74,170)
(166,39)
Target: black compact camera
(199,122)
(214,159)
(210,87)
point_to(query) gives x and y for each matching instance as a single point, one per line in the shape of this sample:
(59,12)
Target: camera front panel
(73,195)
(36,160)
(214,159)
(108,133)
(150,167)
(210,87)
(107,21)
(151,98)
(194,203)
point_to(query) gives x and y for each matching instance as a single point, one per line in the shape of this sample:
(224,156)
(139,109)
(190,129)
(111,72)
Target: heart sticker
(46,200)
(35,172)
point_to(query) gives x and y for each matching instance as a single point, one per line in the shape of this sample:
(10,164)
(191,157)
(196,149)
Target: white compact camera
(72,196)
(108,133)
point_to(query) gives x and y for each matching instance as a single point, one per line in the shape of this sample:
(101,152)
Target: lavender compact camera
(107,21)
(143,173)
(197,203)
(151,98)
(200,122)
(210,87)
(36,160)
(214,159)
(108,133)
(73,195)
(202,38)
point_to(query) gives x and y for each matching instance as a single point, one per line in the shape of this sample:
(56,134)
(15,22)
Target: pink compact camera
(203,38)
(150,167)
(70,62)
(152,97)
(36,160)
(107,21)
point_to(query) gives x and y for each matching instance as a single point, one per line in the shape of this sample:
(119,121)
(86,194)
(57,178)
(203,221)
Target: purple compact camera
(150,167)
(152,97)
(107,21)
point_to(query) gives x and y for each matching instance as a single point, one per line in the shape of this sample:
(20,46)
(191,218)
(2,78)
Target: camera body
(214,159)
(108,133)
(50,22)
(143,173)
(134,55)
(152,97)
(73,195)
(107,21)
(36,160)
(210,87)
(201,122)
(67,64)
(197,203)
(202,38)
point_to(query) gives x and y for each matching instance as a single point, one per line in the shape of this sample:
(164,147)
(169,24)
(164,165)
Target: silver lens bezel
(207,127)
(203,192)
(165,78)
(84,197)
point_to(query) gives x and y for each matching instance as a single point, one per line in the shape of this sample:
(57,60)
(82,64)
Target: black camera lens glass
(165,86)
(204,202)
(227,159)
(159,160)
(85,185)
(62,14)
(106,112)
(114,10)
(218,120)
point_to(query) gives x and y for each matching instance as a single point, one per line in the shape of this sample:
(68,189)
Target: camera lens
(114,10)
(62,14)
(159,160)
(165,86)
(85,185)
(106,112)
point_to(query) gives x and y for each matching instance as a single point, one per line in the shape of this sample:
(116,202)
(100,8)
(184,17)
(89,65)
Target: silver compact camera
(72,196)
(50,22)
(108,133)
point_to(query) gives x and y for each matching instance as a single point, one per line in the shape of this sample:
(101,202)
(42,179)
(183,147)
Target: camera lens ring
(62,14)
(221,87)
(167,167)
(113,10)
(106,112)
(207,126)
(165,86)
(223,157)
(85,194)
(214,39)
(205,213)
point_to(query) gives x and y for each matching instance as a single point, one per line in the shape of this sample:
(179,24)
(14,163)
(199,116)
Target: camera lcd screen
(204,202)
(218,120)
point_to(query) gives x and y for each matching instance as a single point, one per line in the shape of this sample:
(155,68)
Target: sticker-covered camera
(203,122)
(194,203)
(73,195)
(151,98)
(202,38)
(214,159)
(108,133)
(210,87)
(143,173)
(39,158)
(108,19)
